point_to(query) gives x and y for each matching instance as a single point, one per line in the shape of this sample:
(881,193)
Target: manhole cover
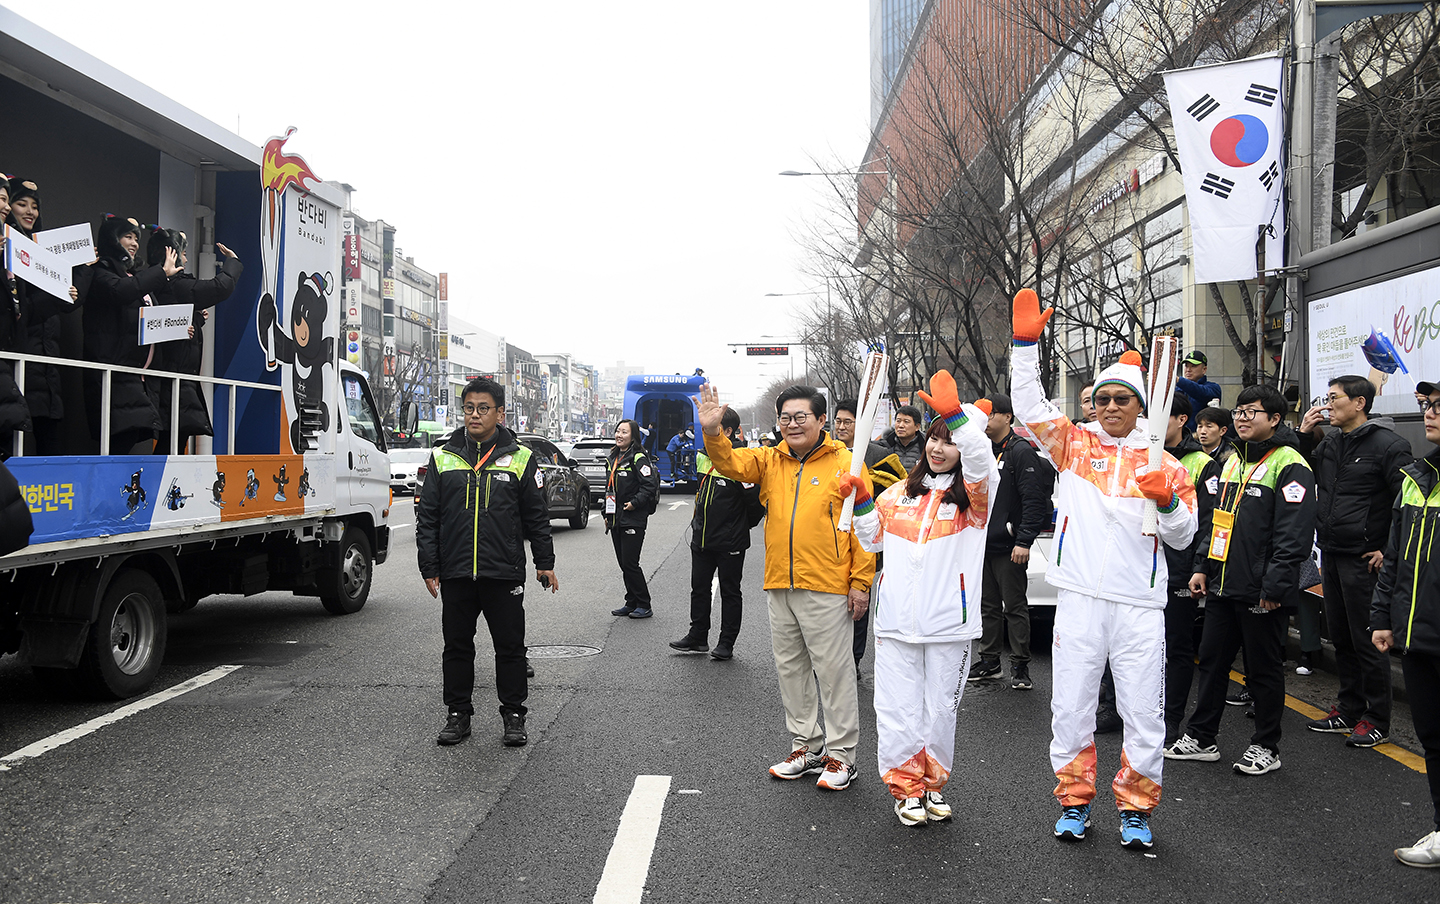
(561,651)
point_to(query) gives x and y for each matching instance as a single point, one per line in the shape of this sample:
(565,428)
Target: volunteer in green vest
(1261,532)
(1405,611)
(484,495)
(632,487)
(1181,606)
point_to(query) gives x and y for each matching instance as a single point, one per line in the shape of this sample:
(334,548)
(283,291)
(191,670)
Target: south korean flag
(1229,132)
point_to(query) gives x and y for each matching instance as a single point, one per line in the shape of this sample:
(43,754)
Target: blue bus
(665,404)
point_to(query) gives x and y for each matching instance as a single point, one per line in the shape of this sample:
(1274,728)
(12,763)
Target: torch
(1164,355)
(872,378)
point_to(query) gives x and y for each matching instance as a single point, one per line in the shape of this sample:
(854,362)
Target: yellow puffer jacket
(803,550)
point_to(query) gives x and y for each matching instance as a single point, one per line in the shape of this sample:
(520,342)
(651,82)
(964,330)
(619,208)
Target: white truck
(298,501)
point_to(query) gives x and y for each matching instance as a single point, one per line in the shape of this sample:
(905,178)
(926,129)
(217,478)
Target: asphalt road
(311,774)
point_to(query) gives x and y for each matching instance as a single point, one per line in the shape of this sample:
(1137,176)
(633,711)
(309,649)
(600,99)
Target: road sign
(767,349)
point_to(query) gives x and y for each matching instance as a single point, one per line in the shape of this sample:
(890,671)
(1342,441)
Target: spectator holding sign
(39,327)
(14,413)
(183,355)
(112,328)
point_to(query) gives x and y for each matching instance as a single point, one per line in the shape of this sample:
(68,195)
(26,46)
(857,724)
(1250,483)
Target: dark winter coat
(14,413)
(630,476)
(1271,491)
(1204,471)
(39,334)
(184,355)
(112,325)
(909,455)
(1407,596)
(1022,505)
(474,523)
(1201,393)
(16,523)
(725,510)
(1357,475)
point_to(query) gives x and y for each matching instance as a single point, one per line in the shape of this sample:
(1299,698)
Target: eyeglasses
(1121,401)
(1429,406)
(1246,414)
(481,410)
(844,421)
(797,419)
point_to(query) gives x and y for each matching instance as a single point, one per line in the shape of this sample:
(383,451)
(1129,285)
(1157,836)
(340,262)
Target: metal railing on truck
(107,370)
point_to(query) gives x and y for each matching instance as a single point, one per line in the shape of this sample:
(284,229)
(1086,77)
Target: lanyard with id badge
(1223,520)
(610,488)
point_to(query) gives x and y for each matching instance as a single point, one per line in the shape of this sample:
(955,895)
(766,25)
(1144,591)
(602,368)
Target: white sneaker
(1425,853)
(801,762)
(910,811)
(837,775)
(935,806)
(1187,748)
(1257,761)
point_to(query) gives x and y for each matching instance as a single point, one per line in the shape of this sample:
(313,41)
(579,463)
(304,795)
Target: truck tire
(582,513)
(343,590)
(126,644)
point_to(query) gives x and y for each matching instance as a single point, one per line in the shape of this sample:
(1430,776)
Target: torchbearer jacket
(1407,596)
(1099,549)
(478,505)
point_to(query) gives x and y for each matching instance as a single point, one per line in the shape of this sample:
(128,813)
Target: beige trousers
(812,635)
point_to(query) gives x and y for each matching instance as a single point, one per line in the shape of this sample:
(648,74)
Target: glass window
(360,410)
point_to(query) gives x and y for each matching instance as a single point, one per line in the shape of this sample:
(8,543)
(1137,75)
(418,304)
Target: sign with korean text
(71,244)
(35,265)
(352,257)
(444,286)
(165,322)
(767,350)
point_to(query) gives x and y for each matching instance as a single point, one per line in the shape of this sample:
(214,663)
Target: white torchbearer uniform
(1112,592)
(929,610)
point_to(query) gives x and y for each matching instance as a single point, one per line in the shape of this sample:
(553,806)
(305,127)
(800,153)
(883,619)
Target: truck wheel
(582,513)
(343,591)
(126,644)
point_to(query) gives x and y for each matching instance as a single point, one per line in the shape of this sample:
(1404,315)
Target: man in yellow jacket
(817,578)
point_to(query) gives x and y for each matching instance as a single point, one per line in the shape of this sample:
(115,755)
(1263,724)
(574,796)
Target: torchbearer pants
(918,687)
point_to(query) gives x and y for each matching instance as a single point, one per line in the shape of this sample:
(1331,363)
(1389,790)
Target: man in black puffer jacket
(1021,511)
(725,510)
(484,495)
(1357,476)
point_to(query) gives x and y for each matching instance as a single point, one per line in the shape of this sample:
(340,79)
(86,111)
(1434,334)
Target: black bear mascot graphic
(134,495)
(306,348)
(217,489)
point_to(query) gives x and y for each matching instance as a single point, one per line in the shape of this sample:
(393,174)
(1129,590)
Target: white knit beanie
(1128,373)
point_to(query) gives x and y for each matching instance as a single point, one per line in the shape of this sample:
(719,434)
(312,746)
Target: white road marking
(60,739)
(623,881)
(676,505)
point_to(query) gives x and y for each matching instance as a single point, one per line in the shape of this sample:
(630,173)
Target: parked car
(405,468)
(590,455)
(566,488)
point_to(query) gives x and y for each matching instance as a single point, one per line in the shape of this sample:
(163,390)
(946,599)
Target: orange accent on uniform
(906,520)
(1077,780)
(1134,791)
(915,776)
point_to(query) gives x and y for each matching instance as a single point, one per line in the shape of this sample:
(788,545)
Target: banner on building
(1381,331)
(1230,135)
(352,257)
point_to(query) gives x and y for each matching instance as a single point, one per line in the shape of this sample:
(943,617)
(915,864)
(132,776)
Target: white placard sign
(165,322)
(72,244)
(1379,331)
(36,266)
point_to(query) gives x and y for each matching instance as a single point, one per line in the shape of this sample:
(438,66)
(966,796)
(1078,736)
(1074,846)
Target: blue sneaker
(1072,823)
(1135,830)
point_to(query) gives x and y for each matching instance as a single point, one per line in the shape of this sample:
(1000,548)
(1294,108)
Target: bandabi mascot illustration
(304,489)
(281,481)
(134,495)
(174,497)
(306,347)
(252,487)
(217,490)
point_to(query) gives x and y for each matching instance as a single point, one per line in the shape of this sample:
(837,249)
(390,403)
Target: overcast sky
(598,178)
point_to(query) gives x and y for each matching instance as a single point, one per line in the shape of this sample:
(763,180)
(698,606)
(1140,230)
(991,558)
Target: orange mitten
(1154,485)
(986,406)
(1027,320)
(943,396)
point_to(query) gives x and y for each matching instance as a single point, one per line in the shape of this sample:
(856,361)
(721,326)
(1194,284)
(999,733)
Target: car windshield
(591,450)
(410,456)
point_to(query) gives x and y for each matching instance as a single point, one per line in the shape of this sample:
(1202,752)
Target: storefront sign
(352,257)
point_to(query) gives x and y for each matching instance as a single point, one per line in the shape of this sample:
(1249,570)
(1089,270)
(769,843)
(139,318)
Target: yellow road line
(1398,754)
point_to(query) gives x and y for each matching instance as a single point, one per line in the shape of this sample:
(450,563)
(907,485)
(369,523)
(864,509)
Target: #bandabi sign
(37,266)
(165,322)
(1388,332)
